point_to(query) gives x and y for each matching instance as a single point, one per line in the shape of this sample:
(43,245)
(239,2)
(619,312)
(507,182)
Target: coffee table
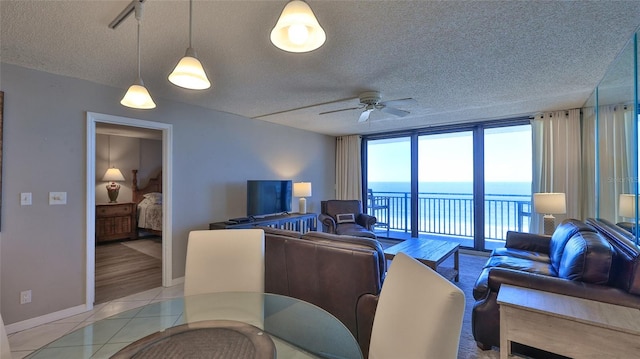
(431,252)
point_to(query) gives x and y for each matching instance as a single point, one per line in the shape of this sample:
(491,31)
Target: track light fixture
(189,72)
(137,96)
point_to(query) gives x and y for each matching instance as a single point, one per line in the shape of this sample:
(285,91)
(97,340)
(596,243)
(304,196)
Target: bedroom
(128,253)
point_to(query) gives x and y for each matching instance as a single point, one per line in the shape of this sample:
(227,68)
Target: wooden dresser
(115,221)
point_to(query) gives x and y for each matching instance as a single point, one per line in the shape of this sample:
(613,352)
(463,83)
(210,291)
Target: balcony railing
(452,213)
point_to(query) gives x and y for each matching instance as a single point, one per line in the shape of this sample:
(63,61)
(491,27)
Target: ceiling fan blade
(344,109)
(305,107)
(395,111)
(400,102)
(364,116)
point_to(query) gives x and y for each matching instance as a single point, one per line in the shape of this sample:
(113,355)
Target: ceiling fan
(371,101)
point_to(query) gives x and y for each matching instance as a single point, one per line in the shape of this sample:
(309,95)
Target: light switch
(25,198)
(57,198)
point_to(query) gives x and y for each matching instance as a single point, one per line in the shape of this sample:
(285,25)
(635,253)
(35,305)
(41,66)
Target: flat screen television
(267,197)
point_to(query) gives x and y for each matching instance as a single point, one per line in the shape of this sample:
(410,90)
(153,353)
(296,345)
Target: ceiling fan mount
(372,100)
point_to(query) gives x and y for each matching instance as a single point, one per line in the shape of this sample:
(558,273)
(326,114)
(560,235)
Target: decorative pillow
(154,197)
(345,218)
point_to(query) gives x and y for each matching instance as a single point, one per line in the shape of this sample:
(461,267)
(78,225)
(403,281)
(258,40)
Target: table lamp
(549,204)
(627,209)
(113,175)
(627,206)
(302,190)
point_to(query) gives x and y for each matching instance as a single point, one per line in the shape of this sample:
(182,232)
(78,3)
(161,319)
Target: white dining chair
(5,351)
(224,260)
(419,314)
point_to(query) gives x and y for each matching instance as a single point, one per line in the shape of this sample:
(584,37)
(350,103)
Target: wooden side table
(115,221)
(569,326)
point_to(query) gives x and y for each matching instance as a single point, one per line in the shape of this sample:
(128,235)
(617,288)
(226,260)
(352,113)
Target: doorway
(94,119)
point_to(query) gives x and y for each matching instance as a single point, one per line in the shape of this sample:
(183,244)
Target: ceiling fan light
(138,97)
(297,29)
(189,73)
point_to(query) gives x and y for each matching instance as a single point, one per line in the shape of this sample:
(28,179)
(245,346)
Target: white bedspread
(150,216)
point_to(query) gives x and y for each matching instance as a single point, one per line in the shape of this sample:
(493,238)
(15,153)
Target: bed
(148,202)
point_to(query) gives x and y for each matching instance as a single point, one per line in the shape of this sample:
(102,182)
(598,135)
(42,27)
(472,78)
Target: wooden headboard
(154,185)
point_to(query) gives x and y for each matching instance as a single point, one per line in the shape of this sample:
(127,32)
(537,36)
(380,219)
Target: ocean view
(447,207)
(491,188)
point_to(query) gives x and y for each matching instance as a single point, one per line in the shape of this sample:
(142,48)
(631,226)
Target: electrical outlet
(25,297)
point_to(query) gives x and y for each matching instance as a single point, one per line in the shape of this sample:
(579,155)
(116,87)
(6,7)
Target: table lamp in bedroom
(113,175)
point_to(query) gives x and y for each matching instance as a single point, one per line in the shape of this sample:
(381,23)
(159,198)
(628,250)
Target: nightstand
(115,221)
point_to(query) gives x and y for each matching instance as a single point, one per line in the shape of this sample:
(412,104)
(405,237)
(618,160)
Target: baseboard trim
(176,281)
(47,318)
(65,313)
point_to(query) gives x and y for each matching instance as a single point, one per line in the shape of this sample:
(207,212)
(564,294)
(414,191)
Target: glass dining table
(213,325)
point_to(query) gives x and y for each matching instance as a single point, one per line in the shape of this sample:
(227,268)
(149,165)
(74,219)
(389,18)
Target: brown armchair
(346,217)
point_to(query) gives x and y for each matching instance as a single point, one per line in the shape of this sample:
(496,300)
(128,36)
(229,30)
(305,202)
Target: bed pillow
(345,218)
(153,198)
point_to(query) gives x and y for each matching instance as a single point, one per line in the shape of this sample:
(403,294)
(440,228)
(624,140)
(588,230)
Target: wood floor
(122,271)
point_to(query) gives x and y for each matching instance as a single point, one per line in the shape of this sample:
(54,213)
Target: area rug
(150,247)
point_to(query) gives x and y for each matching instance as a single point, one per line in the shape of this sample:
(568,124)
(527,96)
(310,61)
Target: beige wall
(214,153)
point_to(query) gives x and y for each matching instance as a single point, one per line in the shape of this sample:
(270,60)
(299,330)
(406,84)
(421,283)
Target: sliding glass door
(445,185)
(388,173)
(467,184)
(507,182)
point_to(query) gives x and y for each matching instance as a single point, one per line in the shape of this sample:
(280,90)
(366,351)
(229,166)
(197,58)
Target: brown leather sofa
(341,274)
(346,217)
(594,260)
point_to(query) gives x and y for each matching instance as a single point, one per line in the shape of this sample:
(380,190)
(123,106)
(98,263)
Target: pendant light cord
(139,18)
(190,19)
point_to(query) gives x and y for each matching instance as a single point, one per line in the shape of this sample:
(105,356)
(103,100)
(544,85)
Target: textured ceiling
(460,60)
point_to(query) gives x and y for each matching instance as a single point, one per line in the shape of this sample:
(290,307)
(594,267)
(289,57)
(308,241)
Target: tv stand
(295,221)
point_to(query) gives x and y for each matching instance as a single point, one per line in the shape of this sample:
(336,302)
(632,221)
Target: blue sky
(448,157)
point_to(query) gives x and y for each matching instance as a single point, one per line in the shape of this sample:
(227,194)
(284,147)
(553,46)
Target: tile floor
(26,342)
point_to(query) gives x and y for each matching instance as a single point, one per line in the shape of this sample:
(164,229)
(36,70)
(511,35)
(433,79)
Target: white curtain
(589,205)
(348,167)
(557,160)
(615,150)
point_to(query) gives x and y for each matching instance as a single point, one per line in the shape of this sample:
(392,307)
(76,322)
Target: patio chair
(378,206)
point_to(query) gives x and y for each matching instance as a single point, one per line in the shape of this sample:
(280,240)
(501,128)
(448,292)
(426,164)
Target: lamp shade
(302,189)
(297,29)
(113,175)
(138,97)
(627,205)
(549,203)
(189,73)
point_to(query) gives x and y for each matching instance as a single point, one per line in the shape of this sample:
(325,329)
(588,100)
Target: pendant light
(137,96)
(297,29)
(189,72)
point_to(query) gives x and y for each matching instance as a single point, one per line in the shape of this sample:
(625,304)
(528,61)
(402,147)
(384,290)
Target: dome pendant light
(189,72)
(137,96)
(297,29)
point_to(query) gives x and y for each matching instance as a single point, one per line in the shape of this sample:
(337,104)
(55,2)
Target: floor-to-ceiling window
(388,175)
(445,185)
(507,182)
(467,184)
